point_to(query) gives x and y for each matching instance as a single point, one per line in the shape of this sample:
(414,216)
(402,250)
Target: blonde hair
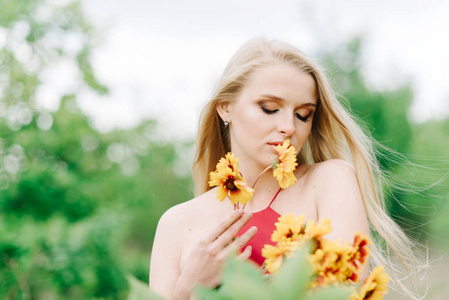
(335,134)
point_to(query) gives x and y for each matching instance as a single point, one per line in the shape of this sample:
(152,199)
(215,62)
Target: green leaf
(210,294)
(292,279)
(334,293)
(241,280)
(140,291)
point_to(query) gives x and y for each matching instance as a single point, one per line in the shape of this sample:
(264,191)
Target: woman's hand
(208,255)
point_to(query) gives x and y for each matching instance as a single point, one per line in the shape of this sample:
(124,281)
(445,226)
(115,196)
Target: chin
(268,161)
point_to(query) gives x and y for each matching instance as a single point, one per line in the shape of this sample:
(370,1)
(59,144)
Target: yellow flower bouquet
(302,265)
(332,263)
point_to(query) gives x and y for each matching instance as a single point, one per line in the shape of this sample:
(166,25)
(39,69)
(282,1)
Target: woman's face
(277,103)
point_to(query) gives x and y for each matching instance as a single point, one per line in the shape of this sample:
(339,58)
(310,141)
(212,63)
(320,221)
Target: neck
(261,180)
(260,175)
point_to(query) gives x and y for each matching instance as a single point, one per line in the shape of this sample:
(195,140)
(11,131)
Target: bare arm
(165,255)
(205,261)
(339,199)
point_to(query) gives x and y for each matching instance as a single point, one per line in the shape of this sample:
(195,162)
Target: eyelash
(304,119)
(270,112)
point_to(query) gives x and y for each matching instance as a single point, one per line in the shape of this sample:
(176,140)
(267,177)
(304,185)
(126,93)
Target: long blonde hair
(335,134)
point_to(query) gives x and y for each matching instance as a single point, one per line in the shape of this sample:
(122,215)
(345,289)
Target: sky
(161,59)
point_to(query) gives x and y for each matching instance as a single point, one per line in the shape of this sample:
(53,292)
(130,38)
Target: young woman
(268,93)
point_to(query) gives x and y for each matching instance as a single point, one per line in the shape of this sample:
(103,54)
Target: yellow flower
(285,165)
(318,230)
(374,287)
(274,255)
(332,263)
(361,250)
(288,228)
(229,162)
(229,181)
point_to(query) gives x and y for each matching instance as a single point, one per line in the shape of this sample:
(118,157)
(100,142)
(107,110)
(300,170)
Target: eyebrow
(276,98)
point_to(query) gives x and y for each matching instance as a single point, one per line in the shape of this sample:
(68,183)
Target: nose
(287,126)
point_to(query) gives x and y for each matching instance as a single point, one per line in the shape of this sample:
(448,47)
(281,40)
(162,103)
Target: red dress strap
(269,205)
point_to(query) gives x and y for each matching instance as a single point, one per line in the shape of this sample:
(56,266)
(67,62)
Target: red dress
(264,221)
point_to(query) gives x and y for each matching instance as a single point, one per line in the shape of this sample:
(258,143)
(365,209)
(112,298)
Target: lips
(275,143)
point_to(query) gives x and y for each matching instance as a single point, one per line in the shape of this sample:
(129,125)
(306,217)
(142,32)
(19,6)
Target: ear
(223,109)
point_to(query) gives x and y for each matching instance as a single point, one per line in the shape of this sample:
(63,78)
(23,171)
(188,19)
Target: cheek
(250,127)
(303,133)
(249,119)
(248,115)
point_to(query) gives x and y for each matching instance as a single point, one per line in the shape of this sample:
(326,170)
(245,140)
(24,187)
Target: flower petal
(286,165)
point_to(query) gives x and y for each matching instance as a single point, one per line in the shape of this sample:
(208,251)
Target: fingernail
(254,228)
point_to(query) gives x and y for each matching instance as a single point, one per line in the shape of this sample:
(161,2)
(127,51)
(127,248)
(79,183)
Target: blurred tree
(385,113)
(78,207)
(431,144)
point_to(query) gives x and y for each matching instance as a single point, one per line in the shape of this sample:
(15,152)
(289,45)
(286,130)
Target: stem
(267,168)
(236,206)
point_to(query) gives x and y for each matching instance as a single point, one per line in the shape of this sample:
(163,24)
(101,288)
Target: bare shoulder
(330,172)
(170,228)
(335,181)
(176,214)
(339,198)
(179,216)
(170,240)
(331,168)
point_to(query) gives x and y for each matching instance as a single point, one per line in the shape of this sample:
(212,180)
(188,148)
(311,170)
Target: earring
(226,123)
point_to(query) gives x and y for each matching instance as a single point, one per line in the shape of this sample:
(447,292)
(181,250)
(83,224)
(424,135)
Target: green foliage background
(79,208)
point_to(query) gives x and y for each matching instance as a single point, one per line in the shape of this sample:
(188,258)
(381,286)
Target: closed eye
(304,119)
(268,111)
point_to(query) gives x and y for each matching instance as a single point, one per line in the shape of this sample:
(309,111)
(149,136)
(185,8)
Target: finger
(245,254)
(223,225)
(227,236)
(242,240)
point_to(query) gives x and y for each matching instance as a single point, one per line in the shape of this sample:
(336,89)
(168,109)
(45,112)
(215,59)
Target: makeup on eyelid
(272,109)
